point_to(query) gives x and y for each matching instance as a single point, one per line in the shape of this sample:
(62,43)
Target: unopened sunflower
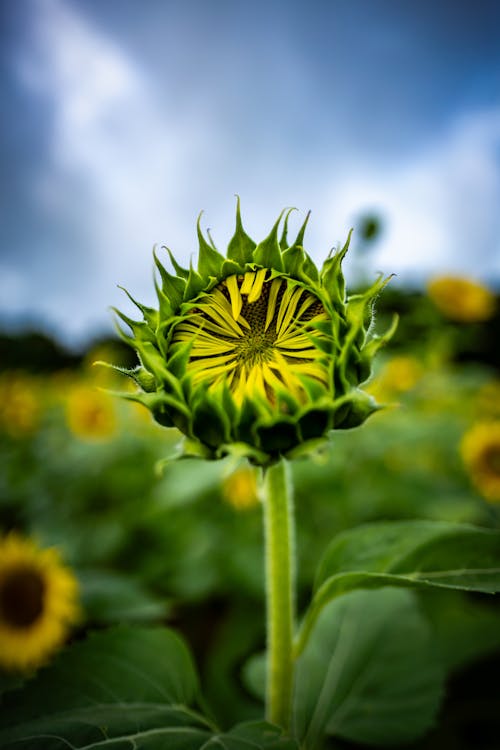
(480,450)
(258,352)
(38,603)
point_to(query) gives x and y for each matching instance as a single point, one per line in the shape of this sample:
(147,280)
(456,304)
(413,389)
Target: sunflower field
(144,603)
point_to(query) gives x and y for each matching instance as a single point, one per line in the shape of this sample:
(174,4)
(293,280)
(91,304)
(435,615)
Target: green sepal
(243,450)
(152,401)
(278,436)
(195,284)
(299,265)
(315,421)
(248,416)
(332,278)
(144,379)
(164,306)
(284,231)
(241,246)
(179,270)
(178,361)
(268,252)
(314,389)
(299,240)
(228,405)
(150,314)
(210,423)
(139,375)
(185,448)
(209,259)
(296,261)
(139,328)
(353,409)
(153,361)
(359,309)
(230,268)
(173,287)
(379,340)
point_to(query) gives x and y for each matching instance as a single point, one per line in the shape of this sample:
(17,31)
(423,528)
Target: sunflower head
(480,448)
(257,352)
(38,603)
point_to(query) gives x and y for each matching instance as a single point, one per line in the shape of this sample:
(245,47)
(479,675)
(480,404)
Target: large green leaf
(466,628)
(117,688)
(410,554)
(369,671)
(121,689)
(255,735)
(110,597)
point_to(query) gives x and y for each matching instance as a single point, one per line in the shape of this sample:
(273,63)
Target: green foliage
(358,676)
(173,548)
(113,597)
(122,688)
(408,554)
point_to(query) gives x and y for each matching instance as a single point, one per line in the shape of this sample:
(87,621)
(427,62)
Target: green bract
(258,353)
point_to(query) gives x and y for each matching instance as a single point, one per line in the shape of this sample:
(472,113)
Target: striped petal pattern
(256,352)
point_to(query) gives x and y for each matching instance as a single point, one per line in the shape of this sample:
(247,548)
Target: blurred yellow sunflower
(399,375)
(38,603)
(19,404)
(480,448)
(488,400)
(90,413)
(240,488)
(461,299)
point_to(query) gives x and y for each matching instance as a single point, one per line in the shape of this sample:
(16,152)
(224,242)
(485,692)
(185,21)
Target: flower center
(21,598)
(257,334)
(491,459)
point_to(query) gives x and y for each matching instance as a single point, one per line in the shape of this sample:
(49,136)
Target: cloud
(440,205)
(128,165)
(116,160)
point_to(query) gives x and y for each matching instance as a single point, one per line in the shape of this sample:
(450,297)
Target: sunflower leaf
(410,554)
(370,672)
(125,682)
(122,688)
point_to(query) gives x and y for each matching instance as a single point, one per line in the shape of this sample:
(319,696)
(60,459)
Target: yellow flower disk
(258,353)
(461,299)
(480,449)
(38,603)
(254,333)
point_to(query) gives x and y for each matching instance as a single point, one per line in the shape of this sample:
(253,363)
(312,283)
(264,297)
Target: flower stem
(280,591)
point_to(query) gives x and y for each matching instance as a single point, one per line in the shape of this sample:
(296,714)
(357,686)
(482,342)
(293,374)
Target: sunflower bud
(256,353)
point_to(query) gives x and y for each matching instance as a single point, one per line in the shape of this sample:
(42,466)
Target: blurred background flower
(461,299)
(38,603)
(480,448)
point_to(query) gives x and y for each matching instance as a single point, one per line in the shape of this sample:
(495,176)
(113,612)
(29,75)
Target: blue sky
(123,119)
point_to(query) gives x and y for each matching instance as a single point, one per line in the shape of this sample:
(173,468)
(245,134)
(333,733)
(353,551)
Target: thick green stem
(280,591)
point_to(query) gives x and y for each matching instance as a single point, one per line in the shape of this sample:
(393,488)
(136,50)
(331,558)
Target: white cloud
(440,205)
(128,164)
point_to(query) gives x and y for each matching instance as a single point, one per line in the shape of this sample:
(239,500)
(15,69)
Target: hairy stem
(280,591)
